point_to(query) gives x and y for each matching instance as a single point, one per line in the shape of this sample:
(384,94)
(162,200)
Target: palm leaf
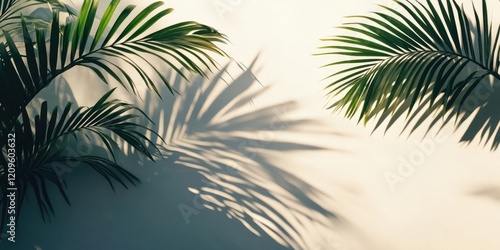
(39,149)
(48,51)
(419,54)
(12,11)
(185,44)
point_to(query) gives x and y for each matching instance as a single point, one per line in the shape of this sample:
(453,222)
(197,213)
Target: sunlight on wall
(432,206)
(430,209)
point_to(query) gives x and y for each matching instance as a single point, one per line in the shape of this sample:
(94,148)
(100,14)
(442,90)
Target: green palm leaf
(122,52)
(423,54)
(186,44)
(40,144)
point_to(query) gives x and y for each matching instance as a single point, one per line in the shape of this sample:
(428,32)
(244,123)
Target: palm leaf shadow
(477,118)
(209,131)
(480,118)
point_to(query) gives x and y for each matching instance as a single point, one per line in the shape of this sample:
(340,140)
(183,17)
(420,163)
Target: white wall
(316,184)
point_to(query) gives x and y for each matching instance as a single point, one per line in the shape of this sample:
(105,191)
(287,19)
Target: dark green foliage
(422,53)
(34,52)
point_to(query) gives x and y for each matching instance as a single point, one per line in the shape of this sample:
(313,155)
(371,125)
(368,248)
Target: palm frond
(432,54)
(41,144)
(12,11)
(24,73)
(47,51)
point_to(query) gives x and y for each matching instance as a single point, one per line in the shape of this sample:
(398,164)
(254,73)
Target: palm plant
(35,52)
(424,59)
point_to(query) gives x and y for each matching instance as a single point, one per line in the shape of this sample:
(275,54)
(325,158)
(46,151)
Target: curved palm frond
(45,54)
(40,146)
(423,54)
(185,44)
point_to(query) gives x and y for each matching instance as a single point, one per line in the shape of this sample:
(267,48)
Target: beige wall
(448,194)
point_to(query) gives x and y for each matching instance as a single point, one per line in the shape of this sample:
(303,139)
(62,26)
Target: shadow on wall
(490,191)
(210,131)
(216,188)
(477,115)
(482,110)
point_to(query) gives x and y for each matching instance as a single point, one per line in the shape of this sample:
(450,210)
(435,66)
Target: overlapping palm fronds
(119,39)
(175,45)
(40,145)
(417,56)
(12,11)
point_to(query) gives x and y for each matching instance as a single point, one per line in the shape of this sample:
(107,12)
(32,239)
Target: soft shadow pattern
(482,111)
(488,191)
(214,130)
(217,186)
(478,116)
